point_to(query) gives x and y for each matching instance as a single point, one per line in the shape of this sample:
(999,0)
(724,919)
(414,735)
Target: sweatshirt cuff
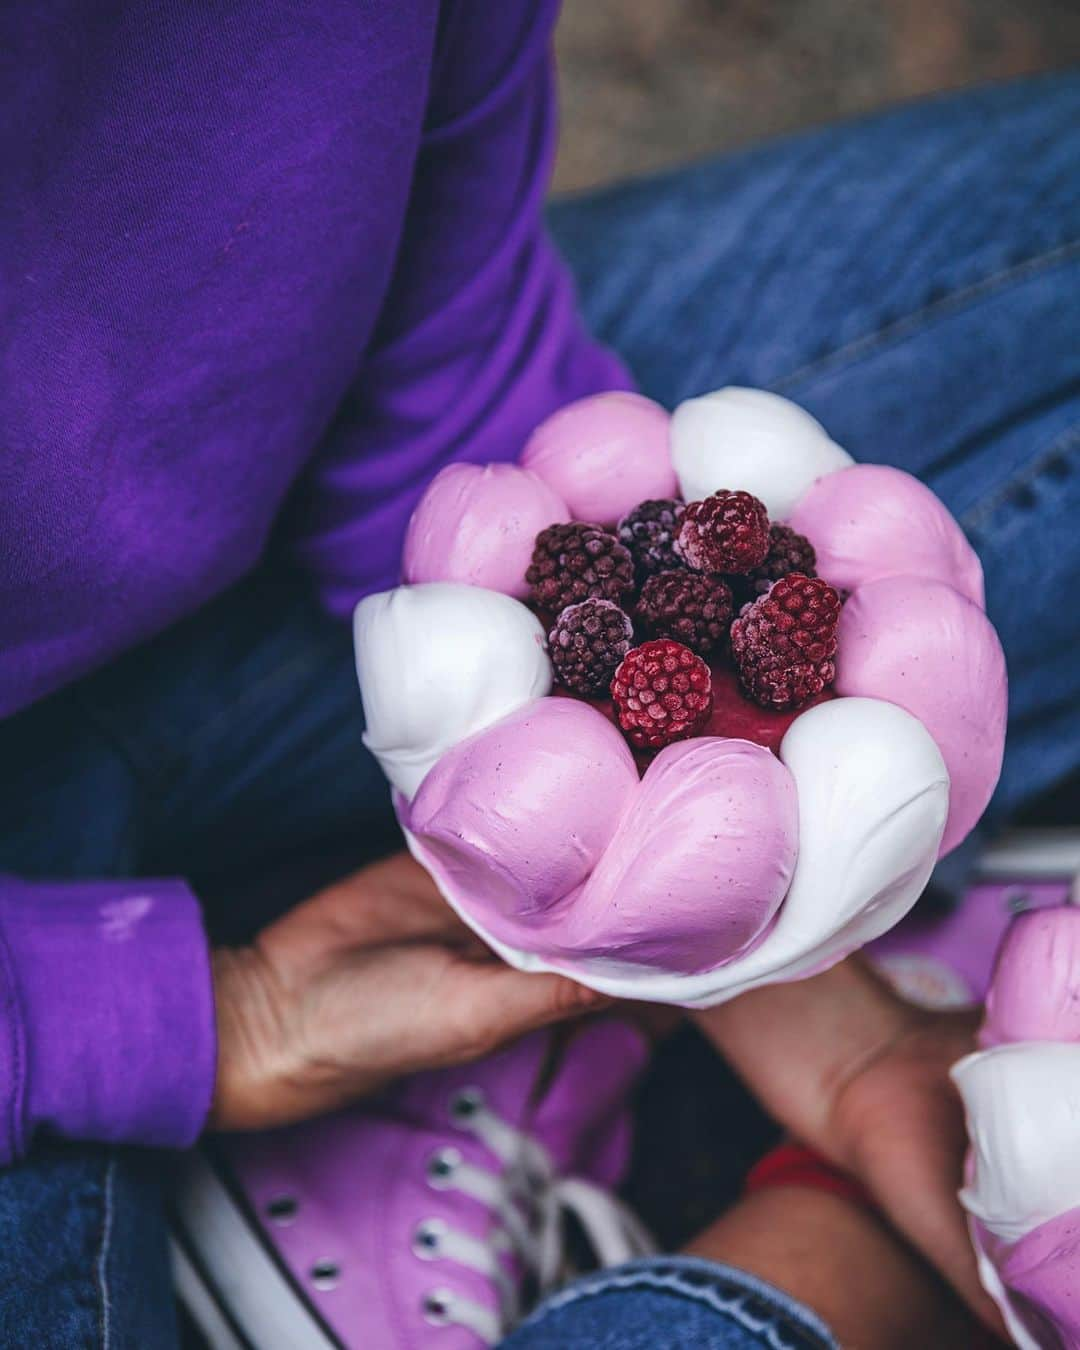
(108,1009)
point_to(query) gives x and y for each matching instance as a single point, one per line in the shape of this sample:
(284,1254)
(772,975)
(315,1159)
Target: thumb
(498,1003)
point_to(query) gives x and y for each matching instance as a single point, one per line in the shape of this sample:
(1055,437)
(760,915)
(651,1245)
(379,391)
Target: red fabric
(795,1165)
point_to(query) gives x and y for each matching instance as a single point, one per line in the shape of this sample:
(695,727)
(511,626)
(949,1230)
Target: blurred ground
(645,83)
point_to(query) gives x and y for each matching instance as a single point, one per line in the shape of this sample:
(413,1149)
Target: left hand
(372,978)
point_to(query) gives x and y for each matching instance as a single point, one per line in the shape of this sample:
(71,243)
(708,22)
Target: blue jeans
(674,1302)
(913,280)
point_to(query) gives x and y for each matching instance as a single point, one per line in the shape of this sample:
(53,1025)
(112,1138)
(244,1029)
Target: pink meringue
(603,455)
(682,871)
(872,521)
(478,525)
(921,645)
(699,864)
(515,818)
(1035,992)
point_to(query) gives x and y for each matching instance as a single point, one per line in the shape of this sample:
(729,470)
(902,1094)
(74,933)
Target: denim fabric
(680,1303)
(914,280)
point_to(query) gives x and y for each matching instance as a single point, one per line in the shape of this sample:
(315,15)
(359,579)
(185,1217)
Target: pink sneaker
(432,1216)
(944,960)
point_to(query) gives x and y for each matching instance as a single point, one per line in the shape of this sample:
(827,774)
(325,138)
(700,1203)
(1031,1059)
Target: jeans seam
(664,1277)
(101,1265)
(908,325)
(1059,451)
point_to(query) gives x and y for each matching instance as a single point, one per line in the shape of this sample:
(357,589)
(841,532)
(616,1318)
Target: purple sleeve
(106,1014)
(479,338)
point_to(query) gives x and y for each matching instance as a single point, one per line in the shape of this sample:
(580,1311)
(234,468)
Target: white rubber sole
(235,1291)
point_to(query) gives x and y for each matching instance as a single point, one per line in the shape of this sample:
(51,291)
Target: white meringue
(873,799)
(753,441)
(1023,1104)
(437,662)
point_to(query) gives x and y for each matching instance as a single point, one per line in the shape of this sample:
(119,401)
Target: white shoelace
(530,1202)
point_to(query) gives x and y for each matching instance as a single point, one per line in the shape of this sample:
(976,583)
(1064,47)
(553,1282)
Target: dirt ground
(648,82)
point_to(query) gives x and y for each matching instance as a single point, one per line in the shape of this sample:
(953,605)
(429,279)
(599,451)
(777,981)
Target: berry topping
(727,532)
(578,562)
(784,643)
(587,642)
(789,551)
(649,533)
(662,692)
(690,607)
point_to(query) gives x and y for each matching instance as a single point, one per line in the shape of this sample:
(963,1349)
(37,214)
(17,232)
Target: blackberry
(727,532)
(789,552)
(577,562)
(691,607)
(587,642)
(648,531)
(784,644)
(662,692)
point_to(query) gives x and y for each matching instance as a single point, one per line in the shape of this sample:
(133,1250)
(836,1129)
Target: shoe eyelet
(282,1209)
(436,1306)
(441,1168)
(326,1275)
(1017,901)
(427,1239)
(466,1103)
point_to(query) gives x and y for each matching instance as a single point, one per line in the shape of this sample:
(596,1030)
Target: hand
(897,1124)
(370,979)
(859,1074)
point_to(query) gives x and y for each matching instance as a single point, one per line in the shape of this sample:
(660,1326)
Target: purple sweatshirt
(266,267)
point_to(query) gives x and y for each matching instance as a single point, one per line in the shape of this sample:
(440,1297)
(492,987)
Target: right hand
(851,1069)
(370,979)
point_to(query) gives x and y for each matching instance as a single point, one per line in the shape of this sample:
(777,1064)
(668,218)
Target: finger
(941,1235)
(394,901)
(495,1003)
(926,1211)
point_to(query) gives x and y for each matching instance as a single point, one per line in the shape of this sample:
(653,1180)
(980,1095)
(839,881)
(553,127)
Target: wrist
(916,1059)
(248,1035)
(798,1046)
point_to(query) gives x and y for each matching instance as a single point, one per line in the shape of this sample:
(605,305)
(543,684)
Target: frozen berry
(784,644)
(649,533)
(577,562)
(789,551)
(727,532)
(587,642)
(691,607)
(662,692)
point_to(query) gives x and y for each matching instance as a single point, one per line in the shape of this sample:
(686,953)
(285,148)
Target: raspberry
(648,531)
(690,607)
(727,532)
(662,692)
(784,643)
(587,642)
(578,562)
(788,552)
